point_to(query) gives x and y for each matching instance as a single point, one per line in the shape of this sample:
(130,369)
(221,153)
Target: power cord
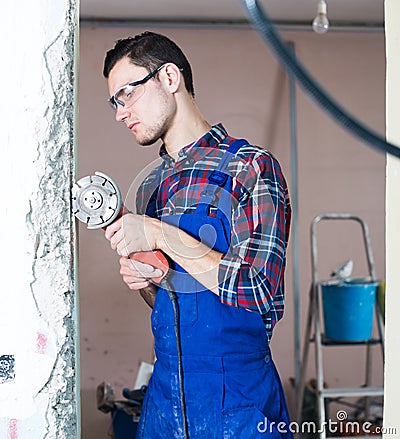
(174,299)
(265,27)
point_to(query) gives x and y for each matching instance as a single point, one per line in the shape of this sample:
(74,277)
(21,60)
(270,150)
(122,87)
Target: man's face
(149,115)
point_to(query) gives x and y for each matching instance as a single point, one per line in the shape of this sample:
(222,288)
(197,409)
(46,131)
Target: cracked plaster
(38,309)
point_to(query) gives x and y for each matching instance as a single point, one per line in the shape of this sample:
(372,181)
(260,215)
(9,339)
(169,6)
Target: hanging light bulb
(320,24)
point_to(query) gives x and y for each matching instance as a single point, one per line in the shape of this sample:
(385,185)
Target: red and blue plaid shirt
(251,274)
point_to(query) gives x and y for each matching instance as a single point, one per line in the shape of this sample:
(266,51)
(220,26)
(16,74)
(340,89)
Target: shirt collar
(211,139)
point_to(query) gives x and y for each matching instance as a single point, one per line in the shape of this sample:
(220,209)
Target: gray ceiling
(357,12)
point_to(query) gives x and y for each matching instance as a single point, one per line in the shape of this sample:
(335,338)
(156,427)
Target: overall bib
(232,389)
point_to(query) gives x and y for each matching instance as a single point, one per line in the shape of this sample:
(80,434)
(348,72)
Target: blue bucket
(348,309)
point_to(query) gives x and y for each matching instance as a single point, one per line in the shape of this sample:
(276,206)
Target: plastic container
(348,308)
(381,295)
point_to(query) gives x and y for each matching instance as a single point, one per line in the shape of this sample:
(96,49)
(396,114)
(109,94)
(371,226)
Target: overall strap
(219,177)
(151,208)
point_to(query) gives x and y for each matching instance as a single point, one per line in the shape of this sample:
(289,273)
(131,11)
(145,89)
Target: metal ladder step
(352,391)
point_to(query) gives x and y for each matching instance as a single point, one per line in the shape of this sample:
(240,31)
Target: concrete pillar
(392,331)
(39,386)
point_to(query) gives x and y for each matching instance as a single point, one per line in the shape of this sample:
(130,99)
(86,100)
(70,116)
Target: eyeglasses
(130,93)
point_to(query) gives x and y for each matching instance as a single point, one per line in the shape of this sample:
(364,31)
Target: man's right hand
(137,275)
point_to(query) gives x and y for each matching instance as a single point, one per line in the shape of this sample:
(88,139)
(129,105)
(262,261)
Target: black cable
(174,299)
(264,25)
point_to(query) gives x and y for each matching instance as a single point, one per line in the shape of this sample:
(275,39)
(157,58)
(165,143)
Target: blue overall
(232,388)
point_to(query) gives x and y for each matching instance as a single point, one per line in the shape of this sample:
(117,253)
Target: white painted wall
(38,316)
(392,335)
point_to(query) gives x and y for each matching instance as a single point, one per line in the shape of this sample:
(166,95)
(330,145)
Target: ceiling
(340,12)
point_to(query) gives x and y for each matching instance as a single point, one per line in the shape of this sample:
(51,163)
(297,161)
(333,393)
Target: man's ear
(173,77)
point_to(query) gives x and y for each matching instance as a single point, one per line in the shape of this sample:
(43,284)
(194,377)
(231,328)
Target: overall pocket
(249,422)
(254,404)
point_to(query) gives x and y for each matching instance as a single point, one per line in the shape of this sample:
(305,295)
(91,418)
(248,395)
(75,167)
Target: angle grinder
(97,202)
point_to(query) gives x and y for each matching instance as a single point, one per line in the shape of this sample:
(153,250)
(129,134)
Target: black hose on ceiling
(265,27)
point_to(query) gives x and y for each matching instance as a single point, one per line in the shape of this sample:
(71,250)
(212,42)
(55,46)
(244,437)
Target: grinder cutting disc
(96,200)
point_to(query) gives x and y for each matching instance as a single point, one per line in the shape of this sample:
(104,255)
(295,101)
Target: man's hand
(133,233)
(137,275)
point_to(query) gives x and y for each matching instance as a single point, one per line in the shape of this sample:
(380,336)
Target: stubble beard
(153,133)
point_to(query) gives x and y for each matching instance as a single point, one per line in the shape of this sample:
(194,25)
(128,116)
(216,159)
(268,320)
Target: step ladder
(324,394)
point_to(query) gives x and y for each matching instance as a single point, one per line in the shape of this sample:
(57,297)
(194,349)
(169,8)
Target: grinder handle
(156,259)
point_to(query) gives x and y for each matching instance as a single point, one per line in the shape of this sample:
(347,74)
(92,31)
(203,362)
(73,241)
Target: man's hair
(149,50)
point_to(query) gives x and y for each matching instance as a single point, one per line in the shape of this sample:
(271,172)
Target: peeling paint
(7,368)
(39,379)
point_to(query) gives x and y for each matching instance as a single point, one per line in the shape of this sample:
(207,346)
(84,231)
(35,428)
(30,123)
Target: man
(219,209)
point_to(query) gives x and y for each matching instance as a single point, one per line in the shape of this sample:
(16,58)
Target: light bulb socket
(322,7)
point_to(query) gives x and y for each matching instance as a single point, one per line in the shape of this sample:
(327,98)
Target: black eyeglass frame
(114,102)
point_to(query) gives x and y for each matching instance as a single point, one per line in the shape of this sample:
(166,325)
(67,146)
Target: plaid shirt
(251,274)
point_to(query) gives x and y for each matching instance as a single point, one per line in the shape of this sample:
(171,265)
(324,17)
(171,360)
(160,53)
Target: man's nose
(121,114)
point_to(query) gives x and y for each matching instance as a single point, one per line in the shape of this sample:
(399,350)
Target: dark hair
(149,50)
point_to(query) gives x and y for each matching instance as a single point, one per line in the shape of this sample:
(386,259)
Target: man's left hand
(132,233)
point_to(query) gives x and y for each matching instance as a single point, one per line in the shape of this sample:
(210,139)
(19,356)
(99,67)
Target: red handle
(154,258)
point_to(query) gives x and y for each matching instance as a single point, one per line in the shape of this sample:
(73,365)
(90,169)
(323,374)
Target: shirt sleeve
(251,273)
